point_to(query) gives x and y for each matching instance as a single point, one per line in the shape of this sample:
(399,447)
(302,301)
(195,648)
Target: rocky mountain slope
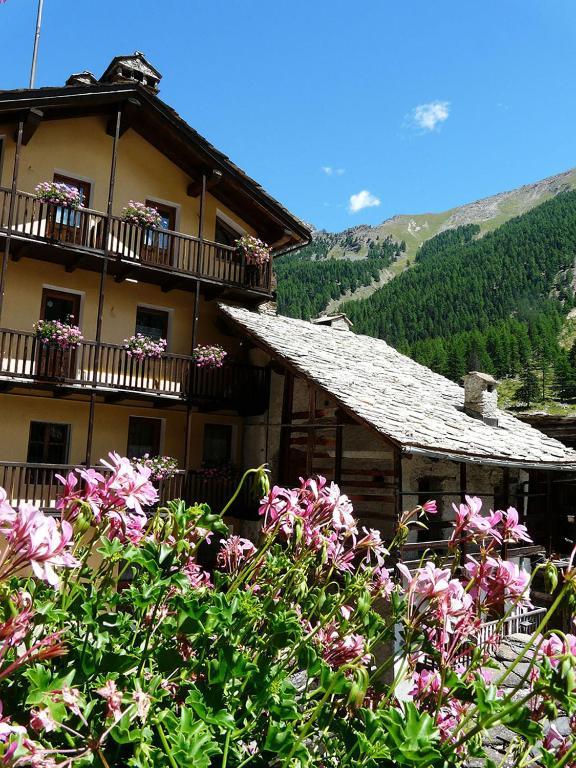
(489,213)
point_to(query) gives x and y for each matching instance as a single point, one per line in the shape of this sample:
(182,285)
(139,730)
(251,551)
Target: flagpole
(36,42)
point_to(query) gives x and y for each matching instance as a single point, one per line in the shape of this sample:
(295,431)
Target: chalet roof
(415,408)
(165,129)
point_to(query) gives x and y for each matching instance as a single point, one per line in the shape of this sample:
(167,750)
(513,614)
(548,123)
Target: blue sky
(348,112)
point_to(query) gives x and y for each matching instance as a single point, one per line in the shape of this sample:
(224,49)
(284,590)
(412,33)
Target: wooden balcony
(160,256)
(37,484)
(113,373)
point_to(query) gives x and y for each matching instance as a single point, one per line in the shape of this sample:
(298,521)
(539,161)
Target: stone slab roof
(412,406)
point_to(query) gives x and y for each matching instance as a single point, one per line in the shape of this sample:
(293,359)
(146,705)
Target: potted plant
(141,347)
(209,356)
(255,254)
(57,193)
(161,467)
(56,341)
(141,215)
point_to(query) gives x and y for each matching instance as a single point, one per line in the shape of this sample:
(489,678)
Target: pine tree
(530,389)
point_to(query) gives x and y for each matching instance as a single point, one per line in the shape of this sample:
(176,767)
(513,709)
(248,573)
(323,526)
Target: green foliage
(308,279)
(450,237)
(497,300)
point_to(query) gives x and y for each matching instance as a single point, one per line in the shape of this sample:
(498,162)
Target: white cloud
(361,200)
(427,117)
(329,170)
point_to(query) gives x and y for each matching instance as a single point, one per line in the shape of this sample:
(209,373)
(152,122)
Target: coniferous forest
(495,303)
(308,280)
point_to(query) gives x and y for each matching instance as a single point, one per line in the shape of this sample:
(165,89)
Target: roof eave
(18,101)
(496,461)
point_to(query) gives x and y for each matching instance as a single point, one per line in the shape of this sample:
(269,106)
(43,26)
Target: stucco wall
(81,148)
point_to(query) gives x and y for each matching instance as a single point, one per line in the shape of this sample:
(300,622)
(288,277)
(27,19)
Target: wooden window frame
(161,432)
(47,424)
(155,311)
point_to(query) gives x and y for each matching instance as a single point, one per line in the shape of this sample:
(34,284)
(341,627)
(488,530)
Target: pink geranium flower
(37,540)
(234,553)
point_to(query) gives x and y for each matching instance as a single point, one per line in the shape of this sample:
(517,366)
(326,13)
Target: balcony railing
(109,367)
(171,252)
(37,484)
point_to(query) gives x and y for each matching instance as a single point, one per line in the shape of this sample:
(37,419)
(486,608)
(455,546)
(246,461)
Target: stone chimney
(340,322)
(481,397)
(81,78)
(132,69)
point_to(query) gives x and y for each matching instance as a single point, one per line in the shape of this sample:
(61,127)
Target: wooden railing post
(103,274)
(15,171)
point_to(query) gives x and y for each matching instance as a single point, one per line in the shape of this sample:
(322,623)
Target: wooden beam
(31,122)
(195,187)
(73,262)
(129,112)
(123,273)
(171,284)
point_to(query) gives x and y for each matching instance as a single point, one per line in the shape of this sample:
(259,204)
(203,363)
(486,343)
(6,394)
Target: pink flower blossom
(555,646)
(513,530)
(427,582)
(497,580)
(37,540)
(143,702)
(430,507)
(234,553)
(470,525)
(129,486)
(197,576)
(425,683)
(113,698)
(42,720)
(337,649)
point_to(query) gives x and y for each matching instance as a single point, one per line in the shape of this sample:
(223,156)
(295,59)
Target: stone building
(391,432)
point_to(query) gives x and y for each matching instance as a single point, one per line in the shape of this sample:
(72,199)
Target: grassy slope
(489,214)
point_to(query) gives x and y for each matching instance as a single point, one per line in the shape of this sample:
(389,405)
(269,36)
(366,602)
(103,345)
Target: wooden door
(66,224)
(53,362)
(157,247)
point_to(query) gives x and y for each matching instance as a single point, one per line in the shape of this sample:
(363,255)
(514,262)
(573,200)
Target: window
(59,305)
(48,443)
(167,212)
(430,489)
(217,448)
(158,247)
(152,322)
(65,216)
(1,156)
(225,234)
(144,436)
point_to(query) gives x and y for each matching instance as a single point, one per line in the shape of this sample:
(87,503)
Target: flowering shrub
(141,346)
(270,659)
(141,215)
(209,356)
(224,471)
(254,251)
(54,332)
(57,193)
(161,467)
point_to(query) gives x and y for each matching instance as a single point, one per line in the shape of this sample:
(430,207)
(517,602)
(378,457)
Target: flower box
(209,356)
(57,193)
(142,347)
(55,333)
(253,251)
(161,467)
(141,215)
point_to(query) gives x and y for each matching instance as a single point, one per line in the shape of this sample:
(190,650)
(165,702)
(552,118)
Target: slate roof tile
(403,400)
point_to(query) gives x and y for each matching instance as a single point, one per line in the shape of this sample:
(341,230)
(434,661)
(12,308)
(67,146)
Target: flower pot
(53,362)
